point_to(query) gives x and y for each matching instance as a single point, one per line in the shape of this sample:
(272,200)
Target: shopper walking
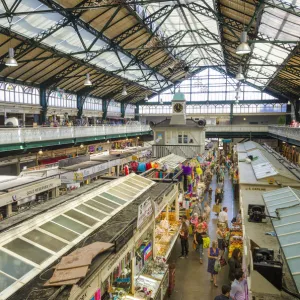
(206,211)
(225,293)
(221,239)
(198,240)
(238,290)
(234,263)
(213,255)
(184,237)
(223,217)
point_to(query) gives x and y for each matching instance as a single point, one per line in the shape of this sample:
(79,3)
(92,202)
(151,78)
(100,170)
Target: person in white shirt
(223,217)
(238,291)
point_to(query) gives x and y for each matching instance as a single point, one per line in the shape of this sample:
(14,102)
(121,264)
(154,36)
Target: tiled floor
(192,280)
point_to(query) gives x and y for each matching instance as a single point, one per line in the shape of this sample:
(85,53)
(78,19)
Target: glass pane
(133,185)
(127,191)
(106,202)
(5,282)
(142,179)
(119,194)
(45,240)
(70,224)
(99,206)
(13,266)
(27,250)
(113,198)
(59,231)
(90,211)
(81,217)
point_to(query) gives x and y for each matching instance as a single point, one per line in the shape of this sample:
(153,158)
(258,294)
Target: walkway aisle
(192,280)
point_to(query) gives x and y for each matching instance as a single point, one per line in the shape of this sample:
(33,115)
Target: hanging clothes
(134,166)
(126,170)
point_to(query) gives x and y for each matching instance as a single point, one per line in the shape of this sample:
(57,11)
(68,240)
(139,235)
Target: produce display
(165,233)
(235,240)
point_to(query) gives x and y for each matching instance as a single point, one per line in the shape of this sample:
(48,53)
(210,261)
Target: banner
(145,210)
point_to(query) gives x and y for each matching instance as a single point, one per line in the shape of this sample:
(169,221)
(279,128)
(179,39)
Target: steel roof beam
(55,6)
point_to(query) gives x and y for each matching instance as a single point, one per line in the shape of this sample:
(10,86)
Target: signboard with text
(145,210)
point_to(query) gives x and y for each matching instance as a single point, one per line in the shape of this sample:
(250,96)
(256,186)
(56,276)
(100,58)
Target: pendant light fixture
(239,75)
(11,61)
(40,152)
(87,81)
(243,47)
(289,102)
(146,98)
(124,92)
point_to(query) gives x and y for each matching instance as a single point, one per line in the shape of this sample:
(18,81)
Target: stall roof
(263,165)
(19,182)
(285,203)
(172,160)
(250,145)
(83,165)
(26,251)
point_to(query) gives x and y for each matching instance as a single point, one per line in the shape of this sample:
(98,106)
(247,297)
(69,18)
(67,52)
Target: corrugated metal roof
(286,202)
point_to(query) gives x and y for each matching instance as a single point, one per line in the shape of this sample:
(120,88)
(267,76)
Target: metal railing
(27,135)
(285,132)
(187,151)
(237,128)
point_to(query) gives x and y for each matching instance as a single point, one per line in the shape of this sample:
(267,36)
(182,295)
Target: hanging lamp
(124,92)
(11,61)
(146,98)
(239,75)
(87,80)
(243,47)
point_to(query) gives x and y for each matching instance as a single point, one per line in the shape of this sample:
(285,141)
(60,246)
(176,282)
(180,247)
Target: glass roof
(26,251)
(67,40)
(276,24)
(181,19)
(261,166)
(286,202)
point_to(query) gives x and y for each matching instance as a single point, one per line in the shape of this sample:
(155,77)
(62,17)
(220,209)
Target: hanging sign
(145,210)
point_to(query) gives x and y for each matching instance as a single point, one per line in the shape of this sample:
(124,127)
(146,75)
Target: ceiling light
(87,80)
(243,47)
(126,139)
(11,61)
(138,137)
(107,141)
(81,146)
(40,152)
(146,98)
(244,119)
(239,75)
(289,102)
(236,101)
(186,68)
(124,92)
(171,70)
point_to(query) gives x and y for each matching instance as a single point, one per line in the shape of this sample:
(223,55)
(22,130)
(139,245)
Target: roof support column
(137,112)
(297,110)
(231,113)
(123,109)
(105,104)
(288,114)
(44,104)
(80,103)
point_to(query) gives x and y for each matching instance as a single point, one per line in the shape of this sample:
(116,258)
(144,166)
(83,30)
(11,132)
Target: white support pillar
(8,210)
(177,207)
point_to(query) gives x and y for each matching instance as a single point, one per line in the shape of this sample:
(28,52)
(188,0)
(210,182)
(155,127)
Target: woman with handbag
(221,236)
(213,257)
(234,263)
(198,240)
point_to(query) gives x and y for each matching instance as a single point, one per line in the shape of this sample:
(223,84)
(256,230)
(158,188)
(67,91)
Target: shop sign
(29,191)
(144,211)
(92,148)
(255,189)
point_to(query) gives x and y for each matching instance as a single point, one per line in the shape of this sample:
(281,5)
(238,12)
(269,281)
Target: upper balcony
(22,138)
(26,138)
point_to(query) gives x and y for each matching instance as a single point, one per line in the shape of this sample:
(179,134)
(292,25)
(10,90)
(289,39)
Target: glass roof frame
(61,226)
(287,227)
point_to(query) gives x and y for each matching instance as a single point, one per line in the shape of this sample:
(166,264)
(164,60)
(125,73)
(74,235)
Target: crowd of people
(195,229)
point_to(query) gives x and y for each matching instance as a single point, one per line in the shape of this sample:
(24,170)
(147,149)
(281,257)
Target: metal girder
(220,102)
(70,15)
(285,6)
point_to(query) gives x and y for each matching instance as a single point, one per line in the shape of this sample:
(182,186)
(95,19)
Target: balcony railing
(28,135)
(285,132)
(237,128)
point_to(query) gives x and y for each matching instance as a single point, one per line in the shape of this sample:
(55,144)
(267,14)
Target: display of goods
(235,244)
(236,233)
